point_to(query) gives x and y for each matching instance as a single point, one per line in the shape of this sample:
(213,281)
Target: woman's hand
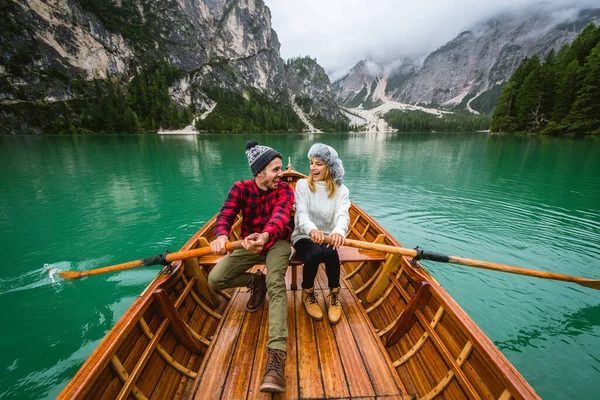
(317,236)
(337,241)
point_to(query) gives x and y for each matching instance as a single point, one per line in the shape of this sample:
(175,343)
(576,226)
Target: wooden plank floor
(324,361)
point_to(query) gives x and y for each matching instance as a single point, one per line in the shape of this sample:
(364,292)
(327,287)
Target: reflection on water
(586,320)
(101,200)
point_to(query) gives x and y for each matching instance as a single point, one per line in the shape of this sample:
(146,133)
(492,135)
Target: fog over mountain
(339,33)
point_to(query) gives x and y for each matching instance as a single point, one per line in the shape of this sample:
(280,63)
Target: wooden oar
(427,255)
(163,259)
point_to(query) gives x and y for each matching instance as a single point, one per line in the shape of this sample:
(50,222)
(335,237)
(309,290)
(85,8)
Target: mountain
(367,82)
(469,71)
(310,90)
(60,61)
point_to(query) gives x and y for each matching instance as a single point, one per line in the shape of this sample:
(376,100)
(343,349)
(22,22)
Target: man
(266,203)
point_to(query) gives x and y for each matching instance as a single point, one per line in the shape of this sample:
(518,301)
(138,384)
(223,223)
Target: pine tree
(585,113)
(583,45)
(529,102)
(505,116)
(549,83)
(567,91)
(131,122)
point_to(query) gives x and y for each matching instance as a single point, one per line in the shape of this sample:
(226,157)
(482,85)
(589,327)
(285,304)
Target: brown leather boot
(334,308)
(258,289)
(274,379)
(309,298)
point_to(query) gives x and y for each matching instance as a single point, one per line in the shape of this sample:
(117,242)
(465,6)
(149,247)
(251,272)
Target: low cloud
(339,33)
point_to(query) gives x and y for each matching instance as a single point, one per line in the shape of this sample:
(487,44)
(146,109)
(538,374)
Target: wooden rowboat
(401,336)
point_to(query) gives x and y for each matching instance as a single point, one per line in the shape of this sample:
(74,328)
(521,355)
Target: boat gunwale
(98,360)
(481,342)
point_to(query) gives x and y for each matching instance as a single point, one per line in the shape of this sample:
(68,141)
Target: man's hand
(218,245)
(317,236)
(255,242)
(337,241)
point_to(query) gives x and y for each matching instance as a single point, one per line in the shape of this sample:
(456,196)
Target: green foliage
(567,91)
(323,124)
(486,101)
(562,95)
(142,106)
(582,45)
(43,117)
(585,113)
(305,103)
(300,61)
(529,101)
(320,122)
(505,116)
(113,106)
(253,113)
(420,121)
(308,68)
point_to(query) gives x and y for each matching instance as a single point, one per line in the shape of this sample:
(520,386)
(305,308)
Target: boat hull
(401,334)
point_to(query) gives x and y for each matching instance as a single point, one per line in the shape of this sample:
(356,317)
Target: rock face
(367,84)
(469,71)
(48,46)
(310,88)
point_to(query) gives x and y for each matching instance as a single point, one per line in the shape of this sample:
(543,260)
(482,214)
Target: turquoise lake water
(82,202)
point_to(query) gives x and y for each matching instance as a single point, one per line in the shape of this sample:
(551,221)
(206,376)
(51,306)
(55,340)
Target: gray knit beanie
(329,156)
(259,156)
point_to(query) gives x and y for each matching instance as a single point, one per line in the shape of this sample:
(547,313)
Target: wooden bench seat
(347,254)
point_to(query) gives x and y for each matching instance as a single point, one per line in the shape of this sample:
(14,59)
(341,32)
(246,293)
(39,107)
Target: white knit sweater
(317,211)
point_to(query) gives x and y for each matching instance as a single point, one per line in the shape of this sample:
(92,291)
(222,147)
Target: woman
(322,204)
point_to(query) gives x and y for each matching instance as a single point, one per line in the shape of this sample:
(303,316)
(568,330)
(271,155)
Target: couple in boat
(321,202)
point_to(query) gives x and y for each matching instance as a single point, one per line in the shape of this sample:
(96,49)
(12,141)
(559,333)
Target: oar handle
(377,247)
(164,259)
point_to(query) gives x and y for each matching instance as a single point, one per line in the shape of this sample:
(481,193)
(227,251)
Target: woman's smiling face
(318,169)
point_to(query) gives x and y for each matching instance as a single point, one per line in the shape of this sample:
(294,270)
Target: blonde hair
(331,186)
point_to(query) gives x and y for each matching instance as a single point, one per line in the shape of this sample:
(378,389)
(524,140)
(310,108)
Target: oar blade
(70,274)
(590,283)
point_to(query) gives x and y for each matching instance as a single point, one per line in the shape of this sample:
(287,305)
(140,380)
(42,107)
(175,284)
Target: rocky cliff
(367,83)
(310,89)
(51,50)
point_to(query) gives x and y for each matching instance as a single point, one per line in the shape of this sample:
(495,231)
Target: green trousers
(230,272)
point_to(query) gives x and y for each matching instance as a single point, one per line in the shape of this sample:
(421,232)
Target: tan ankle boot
(274,379)
(309,298)
(334,308)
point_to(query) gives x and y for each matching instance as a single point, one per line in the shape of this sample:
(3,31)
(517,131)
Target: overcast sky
(339,33)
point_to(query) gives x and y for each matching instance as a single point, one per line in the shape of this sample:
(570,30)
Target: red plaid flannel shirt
(261,211)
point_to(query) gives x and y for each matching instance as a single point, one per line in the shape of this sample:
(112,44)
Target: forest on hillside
(251,112)
(420,121)
(117,106)
(559,95)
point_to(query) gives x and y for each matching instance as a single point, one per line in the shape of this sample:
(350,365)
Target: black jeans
(314,254)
